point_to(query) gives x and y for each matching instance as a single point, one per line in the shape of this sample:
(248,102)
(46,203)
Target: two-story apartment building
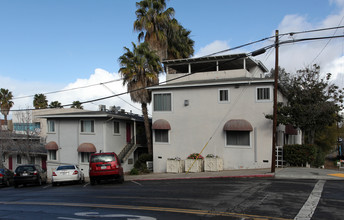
(218,102)
(72,137)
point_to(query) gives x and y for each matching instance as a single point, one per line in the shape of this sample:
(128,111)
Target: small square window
(162,102)
(87,126)
(263,94)
(223,95)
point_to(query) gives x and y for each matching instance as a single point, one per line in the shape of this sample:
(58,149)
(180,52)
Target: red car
(105,166)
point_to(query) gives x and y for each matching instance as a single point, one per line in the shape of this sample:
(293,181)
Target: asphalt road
(224,198)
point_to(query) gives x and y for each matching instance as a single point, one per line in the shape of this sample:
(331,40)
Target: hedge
(299,155)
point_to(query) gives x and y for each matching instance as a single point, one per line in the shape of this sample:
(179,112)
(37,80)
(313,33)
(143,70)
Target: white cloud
(212,48)
(100,90)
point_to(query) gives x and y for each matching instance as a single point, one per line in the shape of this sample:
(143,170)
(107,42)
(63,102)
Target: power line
(263,49)
(66,90)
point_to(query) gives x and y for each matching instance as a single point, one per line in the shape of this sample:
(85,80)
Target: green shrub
(141,165)
(298,155)
(134,171)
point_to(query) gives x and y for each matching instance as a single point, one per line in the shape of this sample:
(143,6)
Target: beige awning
(87,147)
(51,146)
(161,124)
(237,125)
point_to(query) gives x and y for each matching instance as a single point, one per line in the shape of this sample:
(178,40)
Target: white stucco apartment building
(217,101)
(72,137)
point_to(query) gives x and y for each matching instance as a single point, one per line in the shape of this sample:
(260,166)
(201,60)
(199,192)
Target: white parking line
(308,209)
(136,183)
(86,184)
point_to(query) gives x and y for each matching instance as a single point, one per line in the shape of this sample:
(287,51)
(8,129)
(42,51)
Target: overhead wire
(248,54)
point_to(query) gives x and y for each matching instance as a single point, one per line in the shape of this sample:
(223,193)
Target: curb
(208,177)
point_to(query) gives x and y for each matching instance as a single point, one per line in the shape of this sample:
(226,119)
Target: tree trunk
(147,127)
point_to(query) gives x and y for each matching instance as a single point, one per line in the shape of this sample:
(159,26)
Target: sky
(55,45)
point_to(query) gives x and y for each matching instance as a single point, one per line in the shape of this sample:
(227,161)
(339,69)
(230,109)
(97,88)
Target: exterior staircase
(127,151)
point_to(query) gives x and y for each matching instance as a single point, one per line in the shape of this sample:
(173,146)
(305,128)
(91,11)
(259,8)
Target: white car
(67,173)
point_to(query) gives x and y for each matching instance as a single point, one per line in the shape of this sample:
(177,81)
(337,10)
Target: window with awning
(161,129)
(238,132)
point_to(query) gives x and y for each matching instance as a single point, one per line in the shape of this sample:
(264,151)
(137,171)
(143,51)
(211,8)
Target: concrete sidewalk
(280,173)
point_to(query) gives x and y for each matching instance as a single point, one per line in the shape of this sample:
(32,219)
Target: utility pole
(274,129)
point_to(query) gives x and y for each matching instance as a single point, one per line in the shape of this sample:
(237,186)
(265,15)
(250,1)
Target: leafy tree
(140,68)
(77,104)
(6,102)
(313,102)
(158,27)
(55,104)
(40,101)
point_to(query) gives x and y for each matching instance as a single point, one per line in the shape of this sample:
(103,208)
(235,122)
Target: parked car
(6,177)
(29,174)
(105,166)
(67,173)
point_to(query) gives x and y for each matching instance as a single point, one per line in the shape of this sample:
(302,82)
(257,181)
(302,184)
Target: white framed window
(223,96)
(52,154)
(85,157)
(162,102)
(51,126)
(161,136)
(264,94)
(238,138)
(87,126)
(116,128)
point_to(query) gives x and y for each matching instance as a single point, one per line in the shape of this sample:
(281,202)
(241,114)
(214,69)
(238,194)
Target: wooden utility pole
(274,129)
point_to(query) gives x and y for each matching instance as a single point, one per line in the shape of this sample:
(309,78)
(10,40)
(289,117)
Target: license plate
(24,174)
(103,167)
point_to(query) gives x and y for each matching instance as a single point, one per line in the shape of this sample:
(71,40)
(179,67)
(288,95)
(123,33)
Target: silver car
(67,173)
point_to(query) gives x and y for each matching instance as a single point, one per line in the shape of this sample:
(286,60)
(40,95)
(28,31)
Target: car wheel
(15,185)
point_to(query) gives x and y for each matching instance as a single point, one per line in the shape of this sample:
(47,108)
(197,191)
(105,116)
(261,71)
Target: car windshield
(69,167)
(25,168)
(102,158)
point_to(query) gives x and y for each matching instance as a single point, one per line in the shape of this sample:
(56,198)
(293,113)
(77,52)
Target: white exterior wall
(68,137)
(193,125)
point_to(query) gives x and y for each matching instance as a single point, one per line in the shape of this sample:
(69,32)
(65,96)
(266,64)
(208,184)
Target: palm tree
(180,45)
(152,22)
(6,102)
(40,101)
(77,104)
(55,104)
(140,68)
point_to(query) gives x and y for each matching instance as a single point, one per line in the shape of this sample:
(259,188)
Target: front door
(128,132)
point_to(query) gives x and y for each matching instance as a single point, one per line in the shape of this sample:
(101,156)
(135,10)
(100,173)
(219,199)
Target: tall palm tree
(40,101)
(180,45)
(152,22)
(140,68)
(55,104)
(6,102)
(77,104)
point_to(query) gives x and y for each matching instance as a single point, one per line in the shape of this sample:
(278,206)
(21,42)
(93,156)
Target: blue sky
(49,45)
